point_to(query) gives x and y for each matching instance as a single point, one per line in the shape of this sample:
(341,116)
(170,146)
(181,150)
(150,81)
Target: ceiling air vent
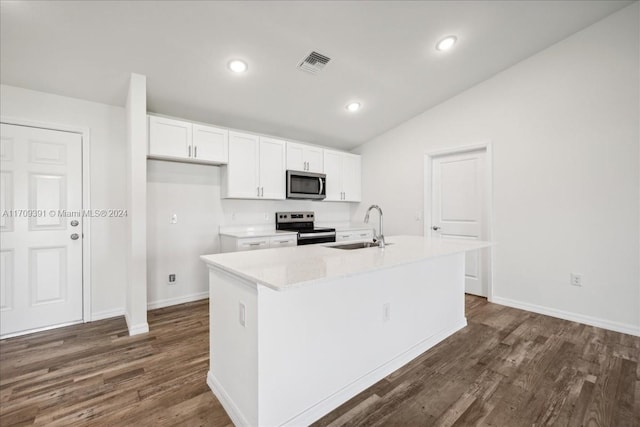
(314,63)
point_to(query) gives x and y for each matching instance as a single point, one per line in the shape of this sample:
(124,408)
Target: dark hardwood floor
(507,368)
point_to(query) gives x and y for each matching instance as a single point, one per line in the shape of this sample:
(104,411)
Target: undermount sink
(358,245)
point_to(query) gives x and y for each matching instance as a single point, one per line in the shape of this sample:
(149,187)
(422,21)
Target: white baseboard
(107,314)
(227,403)
(177,300)
(331,402)
(567,315)
(140,328)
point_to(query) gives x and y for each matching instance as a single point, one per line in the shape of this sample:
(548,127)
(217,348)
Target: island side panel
(233,348)
(321,344)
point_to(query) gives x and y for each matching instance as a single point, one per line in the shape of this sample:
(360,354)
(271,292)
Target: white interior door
(458,209)
(40,244)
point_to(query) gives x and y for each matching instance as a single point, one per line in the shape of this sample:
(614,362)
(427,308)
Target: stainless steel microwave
(306,185)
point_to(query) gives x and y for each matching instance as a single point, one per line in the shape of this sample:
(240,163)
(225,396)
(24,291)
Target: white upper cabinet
(343,172)
(351,177)
(302,157)
(241,175)
(210,144)
(272,168)
(333,170)
(179,140)
(256,168)
(169,138)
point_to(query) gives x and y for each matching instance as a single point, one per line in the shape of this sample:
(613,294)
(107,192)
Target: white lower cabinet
(354,235)
(282,241)
(237,244)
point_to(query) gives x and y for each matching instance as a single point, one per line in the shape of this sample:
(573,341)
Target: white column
(136,296)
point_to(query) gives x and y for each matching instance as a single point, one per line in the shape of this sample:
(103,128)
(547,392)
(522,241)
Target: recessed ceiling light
(353,107)
(238,66)
(446,43)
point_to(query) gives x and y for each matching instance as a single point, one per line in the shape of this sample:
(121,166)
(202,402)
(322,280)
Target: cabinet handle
(195,151)
(262,192)
(258,188)
(189,151)
(257,243)
(307,165)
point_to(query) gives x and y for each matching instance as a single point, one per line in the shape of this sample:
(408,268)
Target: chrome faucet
(379,238)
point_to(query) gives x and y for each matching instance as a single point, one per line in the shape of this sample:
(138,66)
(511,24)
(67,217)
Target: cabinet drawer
(282,241)
(253,243)
(346,236)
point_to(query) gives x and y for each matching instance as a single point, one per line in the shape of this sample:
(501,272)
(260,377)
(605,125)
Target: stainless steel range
(302,222)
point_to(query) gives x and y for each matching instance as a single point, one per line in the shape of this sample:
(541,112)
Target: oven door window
(305,185)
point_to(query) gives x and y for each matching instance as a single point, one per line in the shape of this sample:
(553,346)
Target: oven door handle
(312,235)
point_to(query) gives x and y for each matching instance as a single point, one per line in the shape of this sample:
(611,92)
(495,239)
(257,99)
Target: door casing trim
(428,160)
(85,133)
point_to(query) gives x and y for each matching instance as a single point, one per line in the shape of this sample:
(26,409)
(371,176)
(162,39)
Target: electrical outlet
(576,279)
(233,216)
(267,216)
(386,312)
(172,279)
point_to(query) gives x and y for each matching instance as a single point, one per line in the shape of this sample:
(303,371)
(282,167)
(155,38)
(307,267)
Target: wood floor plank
(506,368)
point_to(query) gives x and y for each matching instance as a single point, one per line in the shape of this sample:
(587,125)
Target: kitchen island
(297,331)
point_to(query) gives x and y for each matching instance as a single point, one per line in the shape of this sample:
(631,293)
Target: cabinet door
(344,236)
(169,138)
(354,235)
(295,156)
(253,243)
(333,170)
(272,168)
(242,170)
(314,159)
(283,241)
(210,144)
(351,177)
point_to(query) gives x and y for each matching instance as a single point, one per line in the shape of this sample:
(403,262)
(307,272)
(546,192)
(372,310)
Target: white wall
(136,296)
(107,145)
(193,193)
(565,129)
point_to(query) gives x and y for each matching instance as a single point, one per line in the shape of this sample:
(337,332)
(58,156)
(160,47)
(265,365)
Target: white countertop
(284,268)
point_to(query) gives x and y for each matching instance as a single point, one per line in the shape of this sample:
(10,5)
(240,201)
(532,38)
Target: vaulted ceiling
(382,55)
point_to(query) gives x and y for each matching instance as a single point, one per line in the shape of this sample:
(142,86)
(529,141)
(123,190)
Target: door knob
(74,223)
(435,228)
(74,236)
